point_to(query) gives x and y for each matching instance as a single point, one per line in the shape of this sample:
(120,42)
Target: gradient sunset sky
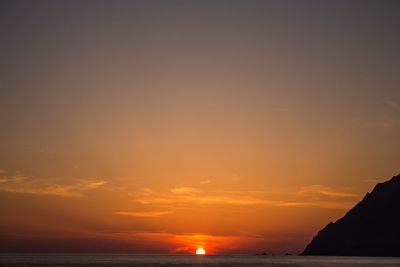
(163,126)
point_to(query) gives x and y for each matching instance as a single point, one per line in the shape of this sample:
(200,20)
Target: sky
(163,126)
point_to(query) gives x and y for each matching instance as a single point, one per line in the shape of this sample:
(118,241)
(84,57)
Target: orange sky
(162,126)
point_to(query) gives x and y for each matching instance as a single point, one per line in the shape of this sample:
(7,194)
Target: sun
(200,251)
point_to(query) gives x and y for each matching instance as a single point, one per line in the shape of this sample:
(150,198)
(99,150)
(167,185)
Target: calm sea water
(152,260)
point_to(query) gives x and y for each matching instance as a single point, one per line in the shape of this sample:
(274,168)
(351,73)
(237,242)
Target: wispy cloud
(45,151)
(327,191)
(61,191)
(391,121)
(32,185)
(206,181)
(185,190)
(327,198)
(89,184)
(143,213)
(188,242)
(392,104)
(236,177)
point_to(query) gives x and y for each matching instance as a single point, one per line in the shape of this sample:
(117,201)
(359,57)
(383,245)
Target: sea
(167,260)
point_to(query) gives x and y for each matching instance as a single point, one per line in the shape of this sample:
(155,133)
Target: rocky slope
(371,228)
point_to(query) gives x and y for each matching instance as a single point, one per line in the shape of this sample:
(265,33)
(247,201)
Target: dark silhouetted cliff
(371,228)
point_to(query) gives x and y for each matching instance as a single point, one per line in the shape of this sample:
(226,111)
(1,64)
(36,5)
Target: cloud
(206,182)
(62,191)
(37,186)
(147,190)
(328,198)
(188,195)
(185,190)
(236,177)
(89,184)
(392,104)
(324,190)
(388,123)
(188,242)
(143,213)
(45,151)
(214,243)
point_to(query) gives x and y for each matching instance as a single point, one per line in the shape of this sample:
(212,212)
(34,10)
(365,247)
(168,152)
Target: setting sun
(200,251)
(199,133)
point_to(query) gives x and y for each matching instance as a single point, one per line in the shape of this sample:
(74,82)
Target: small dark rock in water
(371,228)
(264,254)
(288,254)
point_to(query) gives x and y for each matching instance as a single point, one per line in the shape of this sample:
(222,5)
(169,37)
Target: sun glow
(200,251)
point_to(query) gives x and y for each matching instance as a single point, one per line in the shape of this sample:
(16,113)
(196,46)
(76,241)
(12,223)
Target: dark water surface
(153,260)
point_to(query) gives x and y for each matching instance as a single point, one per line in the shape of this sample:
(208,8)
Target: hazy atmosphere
(163,126)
